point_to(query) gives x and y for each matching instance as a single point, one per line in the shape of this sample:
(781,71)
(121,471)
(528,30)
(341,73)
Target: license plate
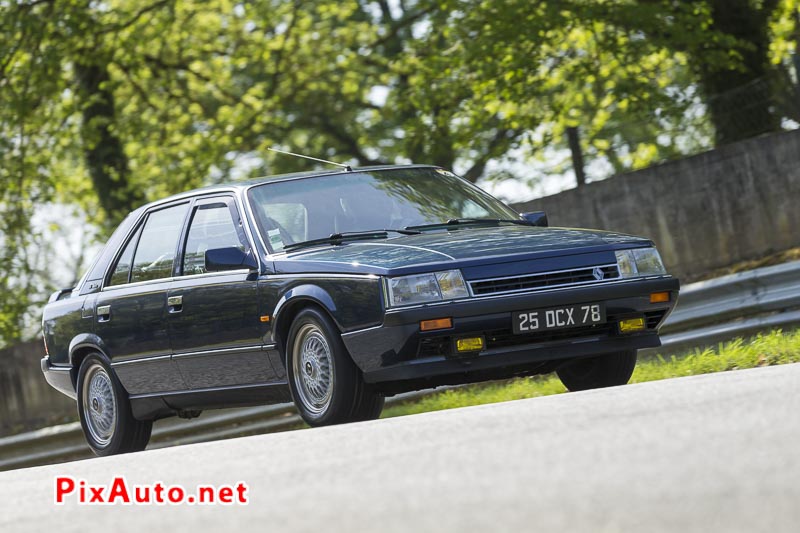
(568,316)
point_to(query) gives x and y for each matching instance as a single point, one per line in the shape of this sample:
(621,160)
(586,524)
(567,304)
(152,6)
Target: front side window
(212,227)
(155,253)
(311,208)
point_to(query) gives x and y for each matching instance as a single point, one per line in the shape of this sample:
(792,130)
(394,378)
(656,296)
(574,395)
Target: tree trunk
(740,101)
(103,151)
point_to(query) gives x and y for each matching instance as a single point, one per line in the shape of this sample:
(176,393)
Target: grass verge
(773,348)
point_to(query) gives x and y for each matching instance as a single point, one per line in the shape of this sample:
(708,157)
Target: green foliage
(106,105)
(773,348)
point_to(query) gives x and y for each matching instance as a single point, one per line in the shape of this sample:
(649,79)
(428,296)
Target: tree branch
(139,14)
(499,143)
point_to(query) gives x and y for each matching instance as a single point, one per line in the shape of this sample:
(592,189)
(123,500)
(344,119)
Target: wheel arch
(82,346)
(290,305)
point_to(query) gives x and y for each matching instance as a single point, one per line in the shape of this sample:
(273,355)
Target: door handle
(175,304)
(103,313)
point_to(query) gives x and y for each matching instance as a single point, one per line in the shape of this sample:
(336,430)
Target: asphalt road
(708,453)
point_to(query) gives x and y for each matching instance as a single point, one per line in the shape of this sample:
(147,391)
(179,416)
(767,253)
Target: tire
(105,411)
(607,370)
(327,387)
(369,406)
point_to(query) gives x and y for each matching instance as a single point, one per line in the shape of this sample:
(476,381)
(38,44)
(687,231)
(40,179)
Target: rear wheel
(326,385)
(105,411)
(596,372)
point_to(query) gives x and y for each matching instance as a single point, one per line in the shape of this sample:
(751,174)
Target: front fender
(309,293)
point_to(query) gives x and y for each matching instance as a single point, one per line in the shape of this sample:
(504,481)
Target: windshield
(289,212)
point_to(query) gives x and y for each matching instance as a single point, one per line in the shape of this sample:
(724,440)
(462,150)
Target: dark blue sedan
(336,289)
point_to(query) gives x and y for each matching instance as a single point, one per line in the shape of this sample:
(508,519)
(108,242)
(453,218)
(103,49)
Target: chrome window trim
(233,195)
(240,271)
(189,197)
(134,228)
(175,278)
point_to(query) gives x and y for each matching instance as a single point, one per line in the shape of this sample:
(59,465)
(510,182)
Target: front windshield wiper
(470,221)
(339,238)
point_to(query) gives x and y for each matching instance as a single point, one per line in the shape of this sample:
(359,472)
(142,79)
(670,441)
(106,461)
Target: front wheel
(326,385)
(596,372)
(105,411)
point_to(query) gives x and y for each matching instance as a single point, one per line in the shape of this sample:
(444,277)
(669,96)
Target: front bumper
(398,351)
(59,377)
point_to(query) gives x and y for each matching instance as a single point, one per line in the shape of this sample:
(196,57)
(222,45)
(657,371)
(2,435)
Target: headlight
(639,262)
(422,288)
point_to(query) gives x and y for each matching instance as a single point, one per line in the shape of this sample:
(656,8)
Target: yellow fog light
(631,325)
(469,344)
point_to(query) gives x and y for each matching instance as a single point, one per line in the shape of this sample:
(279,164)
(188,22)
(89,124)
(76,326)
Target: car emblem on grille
(598,273)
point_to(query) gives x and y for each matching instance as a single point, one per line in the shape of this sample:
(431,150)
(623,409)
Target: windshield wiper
(469,221)
(339,238)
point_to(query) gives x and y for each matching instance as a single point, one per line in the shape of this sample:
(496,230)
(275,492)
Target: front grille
(545,280)
(654,318)
(434,346)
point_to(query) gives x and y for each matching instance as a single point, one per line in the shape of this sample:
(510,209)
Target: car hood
(458,248)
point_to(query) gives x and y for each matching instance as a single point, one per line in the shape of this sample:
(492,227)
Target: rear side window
(122,270)
(212,227)
(155,253)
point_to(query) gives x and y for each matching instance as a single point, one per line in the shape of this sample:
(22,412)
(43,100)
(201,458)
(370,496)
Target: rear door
(214,325)
(130,310)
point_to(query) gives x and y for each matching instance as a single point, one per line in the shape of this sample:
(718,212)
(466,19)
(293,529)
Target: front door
(214,325)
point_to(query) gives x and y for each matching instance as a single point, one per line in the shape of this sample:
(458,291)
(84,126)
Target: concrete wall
(26,400)
(712,210)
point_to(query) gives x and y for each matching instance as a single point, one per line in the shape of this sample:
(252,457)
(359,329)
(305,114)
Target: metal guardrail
(66,442)
(708,312)
(736,305)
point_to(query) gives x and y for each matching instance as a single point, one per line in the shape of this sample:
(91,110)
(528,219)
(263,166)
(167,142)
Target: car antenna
(348,168)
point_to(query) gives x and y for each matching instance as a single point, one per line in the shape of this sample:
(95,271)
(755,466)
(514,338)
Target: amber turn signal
(264,318)
(659,297)
(436,323)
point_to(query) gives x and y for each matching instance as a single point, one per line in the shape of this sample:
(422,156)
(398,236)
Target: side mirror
(231,258)
(535,218)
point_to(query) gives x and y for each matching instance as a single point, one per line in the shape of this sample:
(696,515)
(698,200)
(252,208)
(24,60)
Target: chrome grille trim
(553,279)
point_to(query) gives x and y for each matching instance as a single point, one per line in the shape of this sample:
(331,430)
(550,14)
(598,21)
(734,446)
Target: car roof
(246,184)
